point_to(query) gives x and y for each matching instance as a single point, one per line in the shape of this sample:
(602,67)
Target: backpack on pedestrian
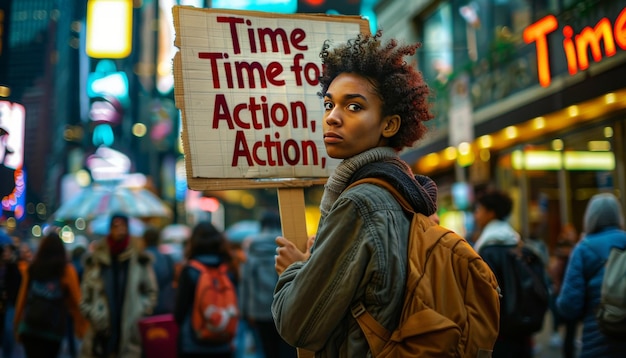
(611,312)
(451,302)
(215,313)
(525,292)
(45,313)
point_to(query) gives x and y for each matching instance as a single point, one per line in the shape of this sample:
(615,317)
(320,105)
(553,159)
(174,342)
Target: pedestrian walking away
(208,250)
(520,271)
(49,292)
(256,289)
(579,297)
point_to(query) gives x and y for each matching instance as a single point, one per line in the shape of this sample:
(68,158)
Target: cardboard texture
(247,85)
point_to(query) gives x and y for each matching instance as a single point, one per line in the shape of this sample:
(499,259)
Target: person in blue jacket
(603,228)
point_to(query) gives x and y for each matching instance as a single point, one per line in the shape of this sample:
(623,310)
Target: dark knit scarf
(381,162)
(116,247)
(419,190)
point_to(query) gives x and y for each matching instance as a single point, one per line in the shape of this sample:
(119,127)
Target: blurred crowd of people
(115,282)
(572,269)
(107,287)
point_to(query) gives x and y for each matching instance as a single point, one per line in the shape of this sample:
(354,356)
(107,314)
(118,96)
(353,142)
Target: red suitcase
(159,336)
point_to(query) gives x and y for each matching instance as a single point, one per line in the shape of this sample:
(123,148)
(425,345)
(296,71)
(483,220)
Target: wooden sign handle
(293,219)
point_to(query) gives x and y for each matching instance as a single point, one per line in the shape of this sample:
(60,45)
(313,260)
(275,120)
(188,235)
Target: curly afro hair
(399,85)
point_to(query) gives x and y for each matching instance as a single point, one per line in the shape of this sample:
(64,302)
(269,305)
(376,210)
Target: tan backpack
(451,304)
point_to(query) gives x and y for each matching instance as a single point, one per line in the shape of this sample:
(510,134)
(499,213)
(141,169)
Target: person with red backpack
(206,309)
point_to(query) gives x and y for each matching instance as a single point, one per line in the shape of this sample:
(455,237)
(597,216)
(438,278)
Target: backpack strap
(375,334)
(223,267)
(197,265)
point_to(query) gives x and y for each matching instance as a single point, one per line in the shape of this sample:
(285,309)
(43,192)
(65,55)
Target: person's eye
(328,105)
(354,107)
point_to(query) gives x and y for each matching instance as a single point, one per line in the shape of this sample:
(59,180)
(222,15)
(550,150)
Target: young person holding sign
(375,104)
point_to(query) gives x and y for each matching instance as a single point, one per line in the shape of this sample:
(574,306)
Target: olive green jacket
(360,254)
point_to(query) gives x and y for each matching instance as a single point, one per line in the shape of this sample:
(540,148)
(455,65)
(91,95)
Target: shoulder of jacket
(369,194)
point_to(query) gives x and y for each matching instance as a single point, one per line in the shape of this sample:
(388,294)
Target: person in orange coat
(50,290)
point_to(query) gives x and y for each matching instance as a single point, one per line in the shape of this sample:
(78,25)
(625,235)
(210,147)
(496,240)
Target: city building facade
(529,97)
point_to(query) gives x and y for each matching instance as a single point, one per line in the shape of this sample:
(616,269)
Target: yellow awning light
(557,144)
(464,148)
(536,160)
(569,160)
(599,145)
(549,124)
(465,159)
(450,153)
(510,132)
(485,141)
(589,161)
(609,98)
(431,160)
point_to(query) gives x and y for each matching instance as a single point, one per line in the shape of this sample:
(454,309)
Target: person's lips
(332,137)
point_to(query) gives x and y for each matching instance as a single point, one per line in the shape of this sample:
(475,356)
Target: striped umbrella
(98,200)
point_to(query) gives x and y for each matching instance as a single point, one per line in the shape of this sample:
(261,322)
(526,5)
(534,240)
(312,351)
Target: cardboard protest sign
(247,85)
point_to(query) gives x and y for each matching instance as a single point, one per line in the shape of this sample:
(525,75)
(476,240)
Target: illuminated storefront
(547,102)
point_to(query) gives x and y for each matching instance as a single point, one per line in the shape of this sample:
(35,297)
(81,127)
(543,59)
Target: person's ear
(391,125)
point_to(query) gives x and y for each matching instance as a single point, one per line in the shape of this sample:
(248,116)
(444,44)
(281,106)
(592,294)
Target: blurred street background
(527,96)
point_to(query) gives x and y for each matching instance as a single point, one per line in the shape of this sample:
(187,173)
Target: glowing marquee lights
(576,46)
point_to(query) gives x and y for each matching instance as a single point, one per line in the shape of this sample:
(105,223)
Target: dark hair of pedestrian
(118,216)
(207,239)
(78,252)
(151,236)
(497,201)
(399,84)
(270,220)
(50,259)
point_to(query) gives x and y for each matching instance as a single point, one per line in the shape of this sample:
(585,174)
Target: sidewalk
(543,349)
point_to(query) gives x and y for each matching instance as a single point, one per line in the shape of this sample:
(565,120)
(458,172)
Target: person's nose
(333,118)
